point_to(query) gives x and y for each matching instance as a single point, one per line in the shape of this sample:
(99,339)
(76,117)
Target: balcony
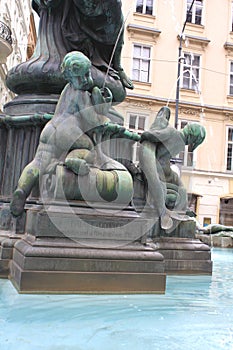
(5,42)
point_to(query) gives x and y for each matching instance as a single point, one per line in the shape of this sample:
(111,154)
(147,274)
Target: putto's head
(76,62)
(76,65)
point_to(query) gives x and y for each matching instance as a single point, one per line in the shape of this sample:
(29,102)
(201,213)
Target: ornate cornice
(196,40)
(135,29)
(228,46)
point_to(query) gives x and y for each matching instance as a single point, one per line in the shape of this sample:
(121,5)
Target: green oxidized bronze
(93,27)
(73,139)
(84,191)
(85,39)
(72,164)
(166,193)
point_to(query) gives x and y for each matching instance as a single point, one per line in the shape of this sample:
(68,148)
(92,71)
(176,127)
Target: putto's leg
(18,202)
(26,182)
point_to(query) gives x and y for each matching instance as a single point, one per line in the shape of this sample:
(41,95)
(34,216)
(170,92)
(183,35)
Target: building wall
(16,15)
(210,104)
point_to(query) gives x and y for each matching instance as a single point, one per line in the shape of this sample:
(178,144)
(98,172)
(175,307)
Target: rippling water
(196,313)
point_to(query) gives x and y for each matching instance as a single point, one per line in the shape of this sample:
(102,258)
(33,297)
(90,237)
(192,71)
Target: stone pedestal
(11,230)
(7,242)
(86,250)
(185,255)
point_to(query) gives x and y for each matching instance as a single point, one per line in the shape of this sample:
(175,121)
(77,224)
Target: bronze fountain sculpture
(85,213)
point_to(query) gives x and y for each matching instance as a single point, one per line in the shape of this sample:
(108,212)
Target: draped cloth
(93,27)
(89,26)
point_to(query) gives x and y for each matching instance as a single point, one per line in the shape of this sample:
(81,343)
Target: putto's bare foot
(18,202)
(166,221)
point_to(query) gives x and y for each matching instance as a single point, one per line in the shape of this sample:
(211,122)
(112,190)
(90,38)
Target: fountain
(77,216)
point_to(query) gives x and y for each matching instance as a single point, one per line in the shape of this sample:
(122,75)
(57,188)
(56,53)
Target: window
(141,63)
(206,221)
(144,6)
(195,16)
(192,202)
(229,148)
(231,79)
(191,71)
(187,156)
(136,123)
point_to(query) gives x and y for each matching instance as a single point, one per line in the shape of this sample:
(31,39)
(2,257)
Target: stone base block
(63,266)
(7,242)
(101,226)
(87,282)
(222,242)
(4,268)
(185,256)
(216,241)
(204,238)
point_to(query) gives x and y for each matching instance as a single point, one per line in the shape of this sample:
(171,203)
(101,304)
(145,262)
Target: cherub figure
(78,122)
(166,193)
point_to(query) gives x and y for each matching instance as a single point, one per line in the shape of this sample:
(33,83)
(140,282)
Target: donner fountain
(76,214)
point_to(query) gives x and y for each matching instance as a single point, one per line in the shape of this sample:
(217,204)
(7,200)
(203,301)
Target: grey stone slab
(54,250)
(84,225)
(4,268)
(223,242)
(55,262)
(188,267)
(185,254)
(88,265)
(86,282)
(181,244)
(30,256)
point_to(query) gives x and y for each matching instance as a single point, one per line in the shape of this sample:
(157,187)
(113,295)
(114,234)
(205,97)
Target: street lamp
(179,66)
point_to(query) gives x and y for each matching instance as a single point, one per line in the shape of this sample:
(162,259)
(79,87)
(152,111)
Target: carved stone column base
(29,104)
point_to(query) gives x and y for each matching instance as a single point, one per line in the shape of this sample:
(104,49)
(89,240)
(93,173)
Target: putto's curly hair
(74,62)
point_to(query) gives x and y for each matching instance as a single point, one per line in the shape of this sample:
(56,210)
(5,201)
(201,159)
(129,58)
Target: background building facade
(150,56)
(16,22)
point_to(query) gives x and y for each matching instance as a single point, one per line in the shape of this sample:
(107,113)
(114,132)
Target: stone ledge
(87,282)
(216,241)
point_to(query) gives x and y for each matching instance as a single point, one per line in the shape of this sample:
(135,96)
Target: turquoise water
(196,313)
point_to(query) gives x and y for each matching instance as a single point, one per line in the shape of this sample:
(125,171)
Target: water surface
(196,313)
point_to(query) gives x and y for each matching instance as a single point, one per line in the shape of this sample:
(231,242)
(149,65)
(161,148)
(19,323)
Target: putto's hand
(107,95)
(114,128)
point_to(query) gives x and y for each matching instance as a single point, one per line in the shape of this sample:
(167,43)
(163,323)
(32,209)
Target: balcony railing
(5,32)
